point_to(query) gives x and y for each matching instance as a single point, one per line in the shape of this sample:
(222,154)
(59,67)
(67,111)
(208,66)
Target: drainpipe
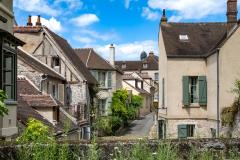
(218,114)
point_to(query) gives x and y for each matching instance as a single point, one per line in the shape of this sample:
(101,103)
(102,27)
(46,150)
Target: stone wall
(183,147)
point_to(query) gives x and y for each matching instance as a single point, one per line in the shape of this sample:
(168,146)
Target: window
(156,75)
(124,66)
(55,91)
(101,106)
(185,131)
(55,62)
(193,89)
(145,65)
(183,38)
(102,79)
(9,74)
(109,80)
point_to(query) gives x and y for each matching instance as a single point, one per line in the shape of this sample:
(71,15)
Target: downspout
(218,114)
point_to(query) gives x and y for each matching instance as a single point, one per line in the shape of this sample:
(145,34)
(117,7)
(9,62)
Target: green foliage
(166,151)
(141,151)
(93,151)
(119,106)
(122,110)
(3,108)
(36,131)
(37,143)
(228,114)
(108,125)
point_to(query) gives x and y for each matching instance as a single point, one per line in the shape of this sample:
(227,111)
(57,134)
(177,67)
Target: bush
(3,109)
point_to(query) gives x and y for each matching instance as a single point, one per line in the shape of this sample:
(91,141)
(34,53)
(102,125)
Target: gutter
(218,114)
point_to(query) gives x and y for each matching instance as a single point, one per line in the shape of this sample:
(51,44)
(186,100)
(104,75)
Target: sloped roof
(142,91)
(24,109)
(92,60)
(38,65)
(69,52)
(12,37)
(203,38)
(151,61)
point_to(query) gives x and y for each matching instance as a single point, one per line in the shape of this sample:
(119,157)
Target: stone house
(56,52)
(33,103)
(199,63)
(137,85)
(8,65)
(147,65)
(108,76)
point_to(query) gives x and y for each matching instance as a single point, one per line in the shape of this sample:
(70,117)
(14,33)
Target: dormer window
(55,61)
(183,38)
(124,66)
(145,65)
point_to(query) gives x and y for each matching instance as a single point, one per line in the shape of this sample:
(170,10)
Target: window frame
(192,102)
(9,48)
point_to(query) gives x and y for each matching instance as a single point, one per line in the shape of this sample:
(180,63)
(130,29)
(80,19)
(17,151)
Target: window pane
(8,63)
(9,91)
(8,78)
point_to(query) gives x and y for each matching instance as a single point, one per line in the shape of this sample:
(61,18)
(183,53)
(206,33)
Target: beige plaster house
(8,65)
(147,65)
(198,63)
(136,85)
(109,77)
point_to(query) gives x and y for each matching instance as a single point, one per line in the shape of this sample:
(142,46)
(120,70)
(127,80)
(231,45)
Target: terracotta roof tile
(27,29)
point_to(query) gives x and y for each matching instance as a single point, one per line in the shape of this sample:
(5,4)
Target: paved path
(139,127)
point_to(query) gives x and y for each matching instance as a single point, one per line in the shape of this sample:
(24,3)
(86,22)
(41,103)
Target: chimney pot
(38,23)
(232,11)
(29,23)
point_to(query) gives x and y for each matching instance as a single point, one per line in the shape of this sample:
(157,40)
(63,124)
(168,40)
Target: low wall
(8,150)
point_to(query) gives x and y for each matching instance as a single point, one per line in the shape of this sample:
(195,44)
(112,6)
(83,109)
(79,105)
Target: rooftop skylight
(183,37)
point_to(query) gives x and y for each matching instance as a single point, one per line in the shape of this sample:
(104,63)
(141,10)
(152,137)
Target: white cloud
(51,23)
(129,51)
(190,9)
(72,4)
(85,40)
(149,14)
(36,6)
(85,20)
(127,3)
(101,36)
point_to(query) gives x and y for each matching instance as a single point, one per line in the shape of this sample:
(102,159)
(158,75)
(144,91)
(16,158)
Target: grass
(142,150)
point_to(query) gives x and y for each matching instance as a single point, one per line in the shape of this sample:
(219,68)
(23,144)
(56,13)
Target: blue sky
(132,25)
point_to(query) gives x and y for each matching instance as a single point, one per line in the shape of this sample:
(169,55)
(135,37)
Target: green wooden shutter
(186,97)
(202,90)
(182,131)
(109,79)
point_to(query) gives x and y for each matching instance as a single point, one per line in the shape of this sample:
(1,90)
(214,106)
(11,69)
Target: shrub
(3,109)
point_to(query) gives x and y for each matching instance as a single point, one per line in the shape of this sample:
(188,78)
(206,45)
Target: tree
(119,106)
(3,108)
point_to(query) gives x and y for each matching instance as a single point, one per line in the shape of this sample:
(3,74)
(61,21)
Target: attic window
(145,65)
(183,37)
(124,66)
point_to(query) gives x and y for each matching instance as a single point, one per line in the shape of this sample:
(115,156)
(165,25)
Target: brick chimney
(112,55)
(29,23)
(164,18)
(38,23)
(232,12)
